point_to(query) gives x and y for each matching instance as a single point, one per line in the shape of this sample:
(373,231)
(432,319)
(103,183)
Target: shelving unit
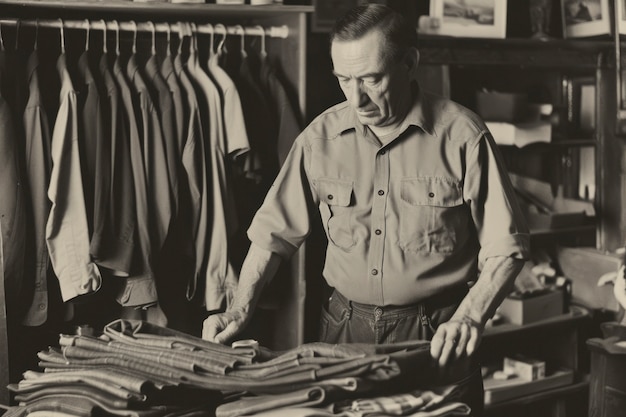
(556,341)
(541,68)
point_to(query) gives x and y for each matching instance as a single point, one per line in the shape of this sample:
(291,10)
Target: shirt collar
(418,116)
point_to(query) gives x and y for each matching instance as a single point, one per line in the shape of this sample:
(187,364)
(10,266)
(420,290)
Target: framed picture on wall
(584,18)
(327,11)
(621,9)
(470,18)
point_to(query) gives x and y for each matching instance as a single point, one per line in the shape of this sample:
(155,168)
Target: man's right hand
(223,327)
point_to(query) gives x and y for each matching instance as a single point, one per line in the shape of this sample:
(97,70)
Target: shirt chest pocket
(336,210)
(433,217)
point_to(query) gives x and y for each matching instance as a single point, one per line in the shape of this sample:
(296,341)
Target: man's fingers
(462,339)
(473,342)
(437,342)
(228,333)
(210,328)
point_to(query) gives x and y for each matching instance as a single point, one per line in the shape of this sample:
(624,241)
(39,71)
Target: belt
(452,296)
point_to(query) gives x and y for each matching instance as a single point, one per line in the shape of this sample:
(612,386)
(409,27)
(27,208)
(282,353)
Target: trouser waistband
(444,299)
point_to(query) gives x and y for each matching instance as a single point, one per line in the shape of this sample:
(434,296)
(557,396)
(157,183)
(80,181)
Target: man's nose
(358,96)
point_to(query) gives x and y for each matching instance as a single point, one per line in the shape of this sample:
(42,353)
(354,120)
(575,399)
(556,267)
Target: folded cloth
(253,404)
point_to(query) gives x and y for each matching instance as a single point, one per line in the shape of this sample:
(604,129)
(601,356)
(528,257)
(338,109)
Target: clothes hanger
(153,35)
(104,37)
(87,33)
(17,34)
(36,34)
(221,47)
(1,39)
(117,37)
(181,37)
(263,52)
(241,30)
(62,34)
(168,33)
(211,31)
(134,30)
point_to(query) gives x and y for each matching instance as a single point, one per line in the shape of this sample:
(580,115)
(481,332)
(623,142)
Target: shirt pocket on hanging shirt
(336,210)
(433,217)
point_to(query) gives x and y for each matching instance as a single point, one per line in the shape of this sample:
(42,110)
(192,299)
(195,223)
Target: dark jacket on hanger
(38,166)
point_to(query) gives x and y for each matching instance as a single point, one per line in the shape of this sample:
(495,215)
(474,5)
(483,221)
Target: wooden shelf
(575,313)
(556,53)
(540,396)
(562,231)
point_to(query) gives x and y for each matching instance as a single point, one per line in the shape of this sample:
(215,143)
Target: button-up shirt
(405,220)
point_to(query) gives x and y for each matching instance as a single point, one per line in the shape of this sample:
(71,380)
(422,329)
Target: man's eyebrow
(369,74)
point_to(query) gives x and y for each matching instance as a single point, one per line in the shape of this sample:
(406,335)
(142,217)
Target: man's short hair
(398,31)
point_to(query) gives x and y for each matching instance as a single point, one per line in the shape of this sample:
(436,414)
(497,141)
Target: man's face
(375,85)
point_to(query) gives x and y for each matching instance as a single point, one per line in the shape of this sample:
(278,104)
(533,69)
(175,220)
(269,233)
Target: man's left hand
(455,339)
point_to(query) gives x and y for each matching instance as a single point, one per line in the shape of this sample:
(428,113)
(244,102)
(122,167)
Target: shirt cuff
(515,246)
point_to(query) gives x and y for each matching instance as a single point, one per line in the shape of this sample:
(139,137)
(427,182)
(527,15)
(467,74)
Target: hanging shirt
(113,246)
(171,79)
(67,232)
(139,288)
(94,164)
(221,278)
(194,163)
(406,220)
(287,124)
(12,208)
(38,167)
(164,107)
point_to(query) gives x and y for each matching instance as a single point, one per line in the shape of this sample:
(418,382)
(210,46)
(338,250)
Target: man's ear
(411,60)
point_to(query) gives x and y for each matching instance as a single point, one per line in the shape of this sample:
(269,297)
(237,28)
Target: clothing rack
(281,31)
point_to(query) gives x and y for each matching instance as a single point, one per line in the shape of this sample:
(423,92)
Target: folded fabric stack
(139,369)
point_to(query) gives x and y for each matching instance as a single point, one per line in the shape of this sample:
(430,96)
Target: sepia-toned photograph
(584,18)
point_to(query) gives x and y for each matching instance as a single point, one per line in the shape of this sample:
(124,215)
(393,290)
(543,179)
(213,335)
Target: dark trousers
(345,321)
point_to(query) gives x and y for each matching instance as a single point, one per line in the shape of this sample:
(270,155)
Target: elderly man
(414,200)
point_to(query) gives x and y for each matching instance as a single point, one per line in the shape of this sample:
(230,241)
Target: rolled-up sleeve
(500,224)
(283,221)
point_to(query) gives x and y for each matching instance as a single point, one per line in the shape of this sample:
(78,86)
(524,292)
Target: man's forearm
(258,268)
(496,281)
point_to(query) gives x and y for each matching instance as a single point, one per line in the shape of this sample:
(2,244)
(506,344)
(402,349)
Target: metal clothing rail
(131,26)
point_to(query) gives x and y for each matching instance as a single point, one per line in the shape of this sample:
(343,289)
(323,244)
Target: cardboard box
(531,308)
(584,266)
(526,368)
(545,211)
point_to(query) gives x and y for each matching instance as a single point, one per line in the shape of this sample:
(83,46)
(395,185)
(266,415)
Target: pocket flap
(335,192)
(431,191)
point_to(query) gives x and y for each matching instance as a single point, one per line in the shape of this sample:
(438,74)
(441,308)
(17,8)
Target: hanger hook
(153,34)
(17,33)
(36,34)
(104,36)
(223,32)
(263,50)
(87,33)
(181,37)
(211,37)
(194,38)
(134,25)
(168,32)
(1,39)
(242,31)
(62,33)
(117,37)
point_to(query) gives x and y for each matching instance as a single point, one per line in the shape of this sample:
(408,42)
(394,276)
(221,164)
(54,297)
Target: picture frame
(621,9)
(326,13)
(586,18)
(469,18)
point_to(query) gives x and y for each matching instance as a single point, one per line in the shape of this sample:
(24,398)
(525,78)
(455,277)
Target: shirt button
(381,192)
(374,271)
(378,231)
(330,196)
(383,152)
(431,195)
